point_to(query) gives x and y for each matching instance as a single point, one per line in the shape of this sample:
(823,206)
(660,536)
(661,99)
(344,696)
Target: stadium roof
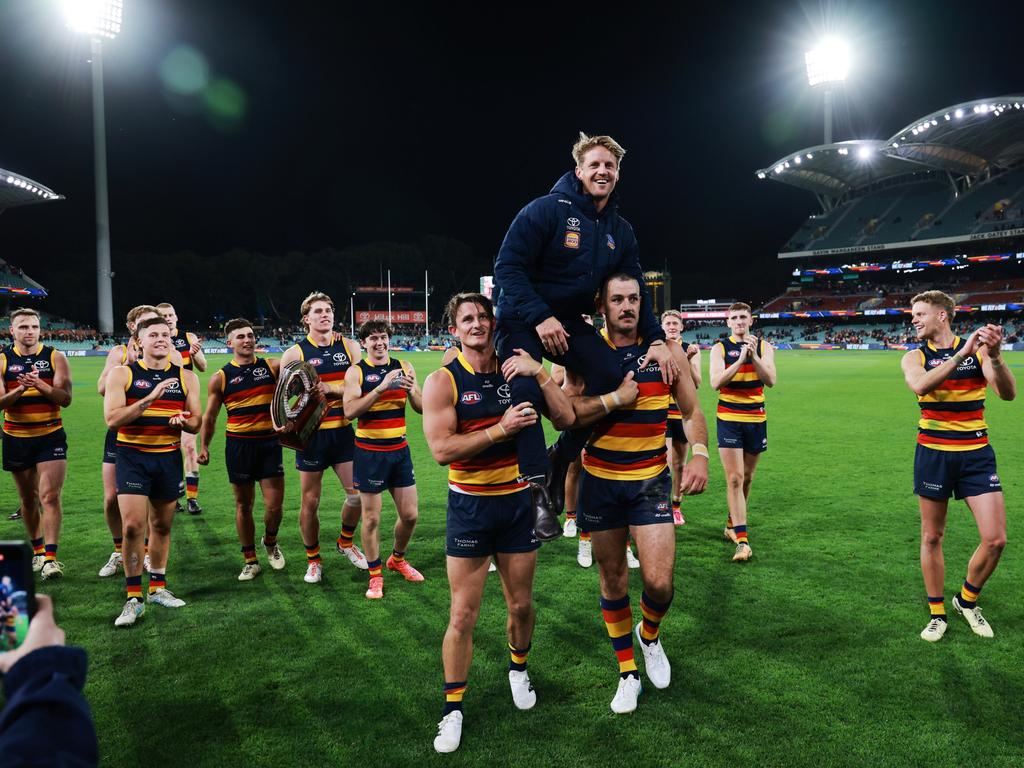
(16,190)
(965,139)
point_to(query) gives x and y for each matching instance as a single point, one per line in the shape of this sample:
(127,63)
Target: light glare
(829,62)
(96,18)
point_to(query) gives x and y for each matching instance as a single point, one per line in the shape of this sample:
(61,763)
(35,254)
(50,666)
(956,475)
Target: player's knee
(995,544)
(659,589)
(409,515)
(49,499)
(931,539)
(520,611)
(132,529)
(310,501)
(462,619)
(159,528)
(243,508)
(352,500)
(735,480)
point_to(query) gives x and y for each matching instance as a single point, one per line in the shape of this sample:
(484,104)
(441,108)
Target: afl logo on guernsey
(143,384)
(734,353)
(315,362)
(371,377)
(471,398)
(935,363)
(237,380)
(15,368)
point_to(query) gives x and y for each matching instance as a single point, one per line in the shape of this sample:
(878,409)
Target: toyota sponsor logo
(41,365)
(504,391)
(340,358)
(573,223)
(471,398)
(260,373)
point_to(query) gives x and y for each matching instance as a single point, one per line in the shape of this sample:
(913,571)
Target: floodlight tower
(99,19)
(827,65)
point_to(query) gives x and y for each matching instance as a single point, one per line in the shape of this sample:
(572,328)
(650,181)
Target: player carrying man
(626,485)
(252,450)
(121,354)
(741,367)
(556,255)
(149,402)
(332,355)
(190,347)
(470,425)
(672,325)
(949,376)
(376,393)
(35,383)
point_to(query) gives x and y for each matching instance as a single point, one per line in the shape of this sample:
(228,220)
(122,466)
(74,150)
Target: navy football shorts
(22,453)
(938,474)
(751,436)
(377,471)
(674,430)
(250,460)
(479,526)
(110,447)
(327,448)
(159,476)
(606,505)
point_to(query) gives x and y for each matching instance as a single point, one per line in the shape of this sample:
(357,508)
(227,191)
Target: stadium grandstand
(938,205)
(17,191)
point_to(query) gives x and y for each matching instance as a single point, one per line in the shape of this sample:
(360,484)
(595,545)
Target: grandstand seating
(967,213)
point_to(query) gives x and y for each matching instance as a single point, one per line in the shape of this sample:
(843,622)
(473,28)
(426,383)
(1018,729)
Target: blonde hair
(586,143)
(740,306)
(136,312)
(671,313)
(26,312)
(315,296)
(937,299)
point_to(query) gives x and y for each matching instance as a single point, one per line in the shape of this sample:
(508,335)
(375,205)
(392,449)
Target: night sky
(305,125)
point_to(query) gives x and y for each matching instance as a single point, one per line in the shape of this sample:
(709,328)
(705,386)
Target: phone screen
(17,593)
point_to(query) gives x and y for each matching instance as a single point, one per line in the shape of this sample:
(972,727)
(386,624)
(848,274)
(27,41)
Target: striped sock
(453,693)
(133,584)
(348,532)
(969,595)
(676,501)
(570,515)
(653,614)
(618,619)
(312,553)
(192,485)
(157,580)
(269,537)
(118,540)
(397,557)
(249,553)
(51,553)
(518,657)
(374,567)
(741,533)
(937,606)
(584,535)
(38,548)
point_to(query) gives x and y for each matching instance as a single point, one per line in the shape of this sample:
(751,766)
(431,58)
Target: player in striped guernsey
(742,365)
(949,375)
(35,383)
(376,392)
(626,486)
(672,325)
(252,451)
(149,403)
(190,347)
(333,445)
(470,424)
(121,354)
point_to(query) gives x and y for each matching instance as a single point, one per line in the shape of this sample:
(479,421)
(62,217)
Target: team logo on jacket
(611,242)
(572,240)
(471,398)
(574,223)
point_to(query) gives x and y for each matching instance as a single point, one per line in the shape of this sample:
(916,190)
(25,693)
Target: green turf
(807,655)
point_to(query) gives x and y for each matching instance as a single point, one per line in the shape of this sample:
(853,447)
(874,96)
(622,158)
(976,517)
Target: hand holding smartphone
(17,593)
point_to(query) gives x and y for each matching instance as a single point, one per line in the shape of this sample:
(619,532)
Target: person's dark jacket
(558,252)
(46,721)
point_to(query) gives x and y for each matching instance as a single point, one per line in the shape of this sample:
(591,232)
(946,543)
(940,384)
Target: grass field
(807,655)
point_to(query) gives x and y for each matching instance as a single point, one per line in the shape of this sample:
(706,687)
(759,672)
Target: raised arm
(720,374)
(997,372)
(196,352)
(589,409)
(59,393)
(214,400)
(764,363)
(920,381)
(408,383)
(191,416)
(8,396)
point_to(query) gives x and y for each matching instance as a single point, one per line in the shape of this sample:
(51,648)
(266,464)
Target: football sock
(38,547)
(346,535)
(249,553)
(397,557)
(118,540)
(157,580)
(653,613)
(133,584)
(192,485)
(269,537)
(741,533)
(453,693)
(584,536)
(937,606)
(518,657)
(618,620)
(969,594)
(374,568)
(51,552)
(312,553)
(570,515)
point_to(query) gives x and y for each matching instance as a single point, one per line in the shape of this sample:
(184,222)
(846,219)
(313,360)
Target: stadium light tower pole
(828,63)
(99,19)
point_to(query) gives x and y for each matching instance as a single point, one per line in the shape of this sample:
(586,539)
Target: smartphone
(17,593)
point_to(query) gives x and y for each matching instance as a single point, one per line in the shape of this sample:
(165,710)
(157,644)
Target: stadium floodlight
(96,18)
(828,63)
(864,153)
(958,114)
(99,19)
